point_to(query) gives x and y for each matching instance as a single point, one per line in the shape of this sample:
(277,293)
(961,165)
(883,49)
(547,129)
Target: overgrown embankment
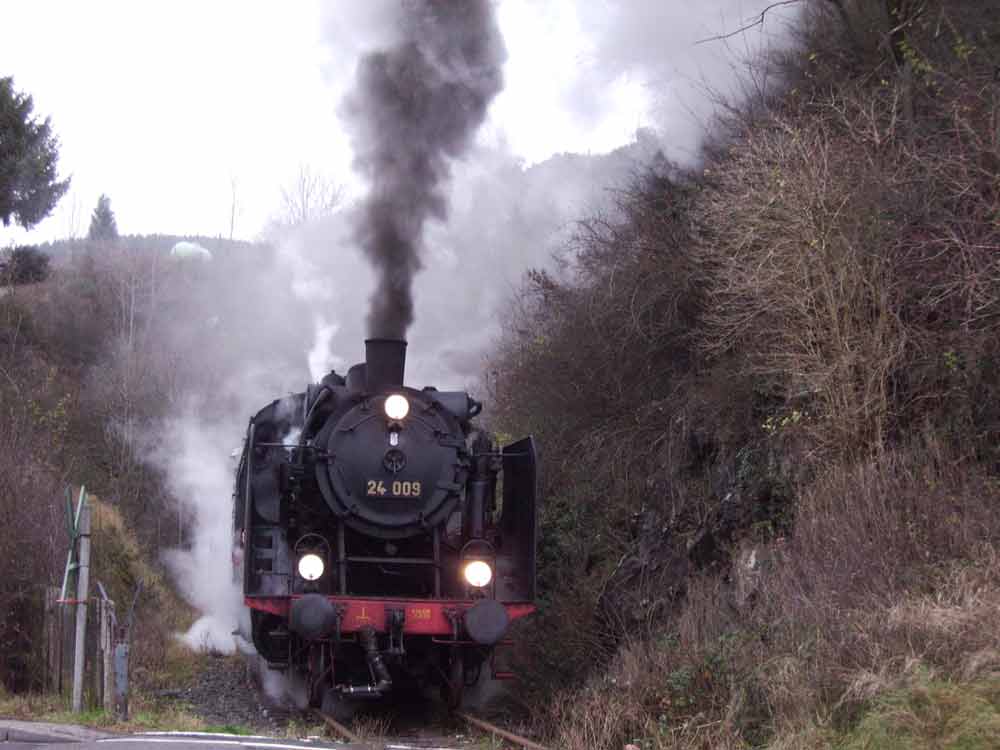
(79,388)
(769,401)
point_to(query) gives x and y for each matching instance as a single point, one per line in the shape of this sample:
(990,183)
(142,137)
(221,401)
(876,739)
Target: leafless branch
(311,196)
(758,21)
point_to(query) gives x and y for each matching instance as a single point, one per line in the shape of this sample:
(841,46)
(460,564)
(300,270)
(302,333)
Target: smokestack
(385,361)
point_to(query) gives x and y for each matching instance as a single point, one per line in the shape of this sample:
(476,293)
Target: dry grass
(145,714)
(930,715)
(371,729)
(304,729)
(890,572)
(121,562)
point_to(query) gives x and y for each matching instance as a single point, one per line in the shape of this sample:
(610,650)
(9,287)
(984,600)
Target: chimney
(386,361)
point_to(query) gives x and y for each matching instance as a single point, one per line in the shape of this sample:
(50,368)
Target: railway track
(340,730)
(494,729)
(480,724)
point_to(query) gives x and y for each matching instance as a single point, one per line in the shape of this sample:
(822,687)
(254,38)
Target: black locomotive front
(372,546)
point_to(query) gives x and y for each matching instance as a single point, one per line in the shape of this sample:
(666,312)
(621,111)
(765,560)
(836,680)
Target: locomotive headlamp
(396,407)
(477,573)
(311,566)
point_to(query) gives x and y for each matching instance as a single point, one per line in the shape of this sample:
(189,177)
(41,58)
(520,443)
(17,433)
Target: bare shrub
(862,288)
(801,284)
(31,501)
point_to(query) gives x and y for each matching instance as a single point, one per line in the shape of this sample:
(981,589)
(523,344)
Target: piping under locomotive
(372,548)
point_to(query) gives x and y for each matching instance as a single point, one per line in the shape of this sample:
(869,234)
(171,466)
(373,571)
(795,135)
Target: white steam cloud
(321,359)
(197,462)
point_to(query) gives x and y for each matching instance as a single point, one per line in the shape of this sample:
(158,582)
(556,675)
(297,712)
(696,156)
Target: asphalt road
(202,741)
(18,735)
(25,734)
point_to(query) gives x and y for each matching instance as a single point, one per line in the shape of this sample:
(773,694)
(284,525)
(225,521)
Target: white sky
(164,106)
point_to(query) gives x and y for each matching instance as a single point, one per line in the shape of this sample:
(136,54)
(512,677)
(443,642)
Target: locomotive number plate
(395,488)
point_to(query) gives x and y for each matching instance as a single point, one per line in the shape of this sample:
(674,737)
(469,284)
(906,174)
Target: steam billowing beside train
(373,550)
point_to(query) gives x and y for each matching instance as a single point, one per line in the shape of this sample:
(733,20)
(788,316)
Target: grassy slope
(768,402)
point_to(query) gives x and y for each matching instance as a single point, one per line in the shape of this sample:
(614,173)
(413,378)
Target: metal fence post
(121,678)
(106,651)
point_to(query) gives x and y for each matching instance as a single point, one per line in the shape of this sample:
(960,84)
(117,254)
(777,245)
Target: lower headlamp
(311,566)
(477,573)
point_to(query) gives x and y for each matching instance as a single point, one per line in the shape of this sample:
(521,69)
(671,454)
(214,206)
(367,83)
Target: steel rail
(342,730)
(493,728)
(485,726)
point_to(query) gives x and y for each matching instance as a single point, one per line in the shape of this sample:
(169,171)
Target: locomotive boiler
(384,538)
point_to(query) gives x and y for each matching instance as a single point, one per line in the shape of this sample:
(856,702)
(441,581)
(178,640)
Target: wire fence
(37,644)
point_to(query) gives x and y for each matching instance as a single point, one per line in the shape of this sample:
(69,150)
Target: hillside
(767,394)
(85,379)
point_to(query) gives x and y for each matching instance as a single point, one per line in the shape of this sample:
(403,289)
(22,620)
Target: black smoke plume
(416,106)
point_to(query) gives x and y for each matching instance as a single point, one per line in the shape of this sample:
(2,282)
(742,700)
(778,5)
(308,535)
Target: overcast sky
(169,106)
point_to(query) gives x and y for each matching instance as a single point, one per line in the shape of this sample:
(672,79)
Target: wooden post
(67,625)
(82,590)
(53,640)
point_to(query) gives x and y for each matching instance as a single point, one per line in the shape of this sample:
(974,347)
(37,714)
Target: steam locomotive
(372,548)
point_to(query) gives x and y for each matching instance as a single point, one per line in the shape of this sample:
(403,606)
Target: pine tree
(24,265)
(102,221)
(29,188)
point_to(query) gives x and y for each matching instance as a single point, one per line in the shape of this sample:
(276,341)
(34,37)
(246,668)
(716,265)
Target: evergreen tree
(24,265)
(29,188)
(102,221)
